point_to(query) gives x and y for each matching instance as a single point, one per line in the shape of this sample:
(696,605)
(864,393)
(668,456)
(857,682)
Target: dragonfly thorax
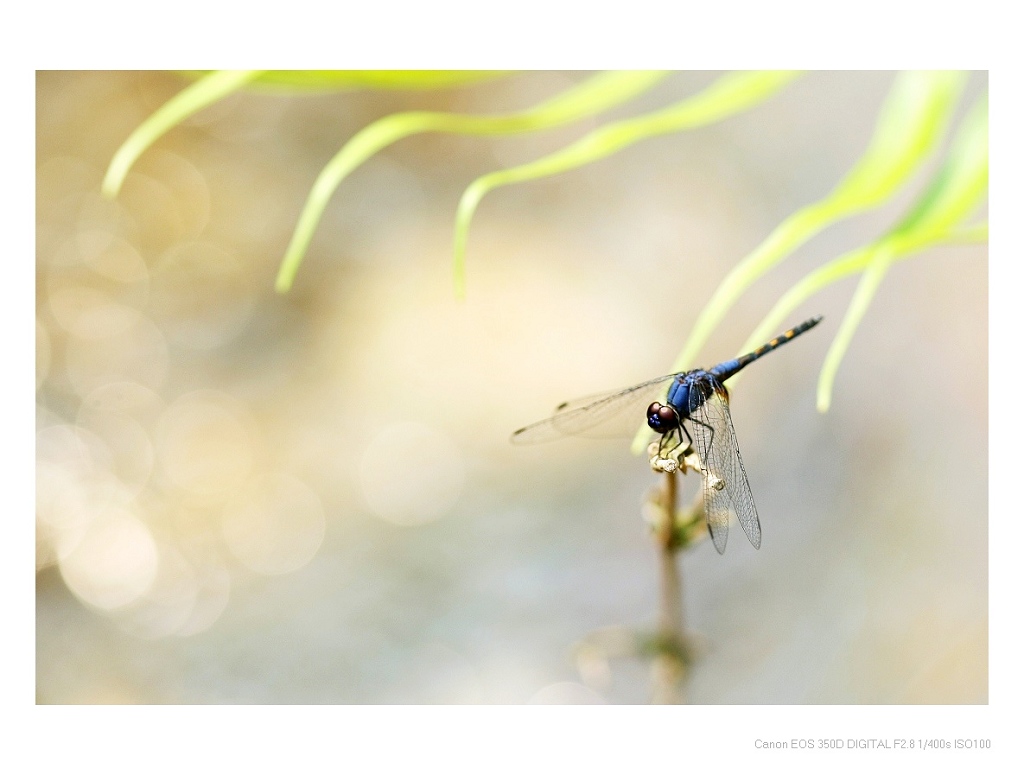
(690,390)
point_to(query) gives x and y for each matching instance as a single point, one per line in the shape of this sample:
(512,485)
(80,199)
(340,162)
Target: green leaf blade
(728,95)
(913,120)
(320,80)
(209,89)
(952,195)
(594,95)
(867,288)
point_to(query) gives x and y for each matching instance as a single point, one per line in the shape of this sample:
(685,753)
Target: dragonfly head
(662,418)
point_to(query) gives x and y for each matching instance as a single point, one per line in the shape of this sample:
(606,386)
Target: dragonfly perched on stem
(699,399)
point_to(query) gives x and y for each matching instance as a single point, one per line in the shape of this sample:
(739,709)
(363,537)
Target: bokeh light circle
(205,444)
(114,562)
(274,526)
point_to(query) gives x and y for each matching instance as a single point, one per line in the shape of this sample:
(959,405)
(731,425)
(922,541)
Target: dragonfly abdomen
(727,369)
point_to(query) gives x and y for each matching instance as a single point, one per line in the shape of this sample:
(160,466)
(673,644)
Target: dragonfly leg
(679,430)
(689,438)
(661,445)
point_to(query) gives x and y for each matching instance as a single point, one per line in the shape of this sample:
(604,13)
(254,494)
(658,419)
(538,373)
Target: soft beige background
(310,498)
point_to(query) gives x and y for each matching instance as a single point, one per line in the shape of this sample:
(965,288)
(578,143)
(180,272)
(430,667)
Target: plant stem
(669,665)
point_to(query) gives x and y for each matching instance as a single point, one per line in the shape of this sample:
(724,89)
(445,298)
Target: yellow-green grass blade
(977,232)
(955,192)
(935,219)
(207,90)
(335,80)
(854,262)
(594,95)
(912,122)
(728,95)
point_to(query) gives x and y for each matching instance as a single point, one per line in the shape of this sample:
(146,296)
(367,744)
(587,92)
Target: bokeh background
(246,497)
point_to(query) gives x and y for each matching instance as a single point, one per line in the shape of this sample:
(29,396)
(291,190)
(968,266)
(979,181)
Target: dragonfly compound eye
(661,418)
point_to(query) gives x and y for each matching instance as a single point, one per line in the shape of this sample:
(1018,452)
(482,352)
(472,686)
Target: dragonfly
(697,398)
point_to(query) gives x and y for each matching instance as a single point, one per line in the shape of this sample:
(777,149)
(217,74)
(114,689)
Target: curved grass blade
(923,227)
(912,122)
(338,80)
(955,192)
(976,232)
(934,220)
(728,95)
(594,95)
(374,79)
(209,89)
(851,263)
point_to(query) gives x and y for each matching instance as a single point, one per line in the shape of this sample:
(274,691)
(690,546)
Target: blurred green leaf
(374,79)
(976,232)
(594,95)
(207,90)
(935,219)
(955,192)
(213,85)
(912,122)
(728,95)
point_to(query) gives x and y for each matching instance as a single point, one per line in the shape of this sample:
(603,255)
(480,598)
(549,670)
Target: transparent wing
(583,416)
(726,490)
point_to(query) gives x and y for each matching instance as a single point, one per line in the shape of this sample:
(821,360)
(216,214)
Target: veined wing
(583,415)
(726,490)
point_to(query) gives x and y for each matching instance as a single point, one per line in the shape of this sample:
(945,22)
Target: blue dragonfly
(697,397)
